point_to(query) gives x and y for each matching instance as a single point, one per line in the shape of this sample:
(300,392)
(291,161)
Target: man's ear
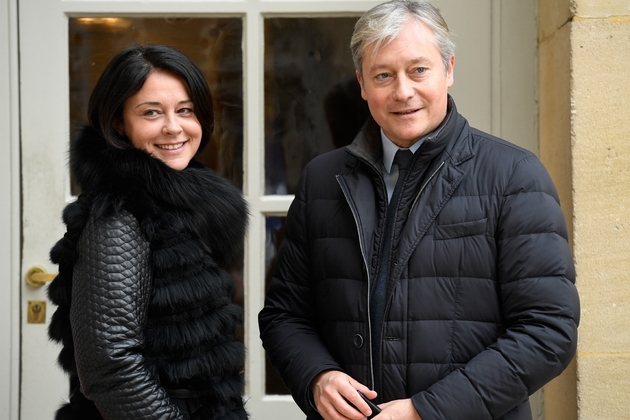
(360,79)
(450,73)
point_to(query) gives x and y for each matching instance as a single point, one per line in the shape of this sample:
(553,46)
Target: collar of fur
(158,196)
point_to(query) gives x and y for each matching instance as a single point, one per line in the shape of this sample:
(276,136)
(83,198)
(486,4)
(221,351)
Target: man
(443,287)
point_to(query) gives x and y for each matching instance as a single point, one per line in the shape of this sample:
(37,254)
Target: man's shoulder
(487,142)
(333,160)
(492,151)
(498,159)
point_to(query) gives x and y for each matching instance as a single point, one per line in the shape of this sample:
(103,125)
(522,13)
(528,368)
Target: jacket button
(357,340)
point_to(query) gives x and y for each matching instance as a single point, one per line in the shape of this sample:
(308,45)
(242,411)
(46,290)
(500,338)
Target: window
(312,102)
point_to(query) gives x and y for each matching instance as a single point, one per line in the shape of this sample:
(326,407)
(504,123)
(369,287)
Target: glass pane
(313,102)
(213,44)
(275,235)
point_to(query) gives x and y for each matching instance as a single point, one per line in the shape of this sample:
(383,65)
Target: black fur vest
(194,222)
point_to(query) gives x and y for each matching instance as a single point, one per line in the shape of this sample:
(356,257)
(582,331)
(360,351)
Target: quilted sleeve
(110,295)
(287,329)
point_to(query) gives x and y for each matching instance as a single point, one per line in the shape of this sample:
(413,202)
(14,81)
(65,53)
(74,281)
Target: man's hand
(398,410)
(331,392)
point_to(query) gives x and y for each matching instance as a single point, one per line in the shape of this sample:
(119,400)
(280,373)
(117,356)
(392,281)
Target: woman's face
(160,119)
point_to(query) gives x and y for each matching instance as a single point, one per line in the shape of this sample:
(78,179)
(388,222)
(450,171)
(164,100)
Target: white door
(43,134)
(9,213)
(284,50)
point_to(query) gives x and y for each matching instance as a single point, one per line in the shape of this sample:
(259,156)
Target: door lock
(36,313)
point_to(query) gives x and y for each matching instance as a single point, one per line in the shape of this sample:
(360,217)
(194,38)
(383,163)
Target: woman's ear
(118,125)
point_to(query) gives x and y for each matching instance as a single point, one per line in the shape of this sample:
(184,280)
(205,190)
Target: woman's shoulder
(117,234)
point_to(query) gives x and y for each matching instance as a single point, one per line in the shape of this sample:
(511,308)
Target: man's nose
(403,89)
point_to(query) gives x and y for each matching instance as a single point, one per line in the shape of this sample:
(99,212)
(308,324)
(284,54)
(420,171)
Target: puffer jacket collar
(434,176)
(367,144)
(430,183)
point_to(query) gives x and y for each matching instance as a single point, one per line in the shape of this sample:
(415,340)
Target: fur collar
(158,196)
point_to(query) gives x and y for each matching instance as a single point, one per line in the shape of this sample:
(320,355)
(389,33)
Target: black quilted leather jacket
(145,304)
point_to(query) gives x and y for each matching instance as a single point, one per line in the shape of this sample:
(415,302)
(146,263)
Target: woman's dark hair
(125,75)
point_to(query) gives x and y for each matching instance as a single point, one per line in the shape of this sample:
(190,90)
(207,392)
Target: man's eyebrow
(415,61)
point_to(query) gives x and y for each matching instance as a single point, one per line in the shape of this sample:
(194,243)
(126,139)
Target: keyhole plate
(36,313)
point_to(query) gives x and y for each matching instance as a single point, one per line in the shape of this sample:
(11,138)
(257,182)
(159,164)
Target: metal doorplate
(36,313)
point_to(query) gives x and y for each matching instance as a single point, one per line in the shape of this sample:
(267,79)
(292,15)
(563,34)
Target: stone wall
(584,81)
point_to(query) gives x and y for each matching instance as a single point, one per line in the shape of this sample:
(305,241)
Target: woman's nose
(171,126)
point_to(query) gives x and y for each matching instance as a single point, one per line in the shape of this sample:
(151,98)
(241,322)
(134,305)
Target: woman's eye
(186,111)
(150,113)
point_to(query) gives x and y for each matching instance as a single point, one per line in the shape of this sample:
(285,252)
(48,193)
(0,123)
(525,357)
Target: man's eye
(421,70)
(382,76)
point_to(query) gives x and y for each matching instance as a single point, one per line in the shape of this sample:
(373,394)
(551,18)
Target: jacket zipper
(346,194)
(414,204)
(424,186)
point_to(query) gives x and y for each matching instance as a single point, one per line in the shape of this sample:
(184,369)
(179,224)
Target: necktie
(403,160)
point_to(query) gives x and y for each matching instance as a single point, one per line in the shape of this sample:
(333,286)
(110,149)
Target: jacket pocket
(458,230)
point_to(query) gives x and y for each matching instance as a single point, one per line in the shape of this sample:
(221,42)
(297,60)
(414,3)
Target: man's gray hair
(385,22)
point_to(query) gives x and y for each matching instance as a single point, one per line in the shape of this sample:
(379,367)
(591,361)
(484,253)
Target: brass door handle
(37,276)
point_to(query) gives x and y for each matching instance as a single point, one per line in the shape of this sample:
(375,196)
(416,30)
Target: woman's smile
(160,119)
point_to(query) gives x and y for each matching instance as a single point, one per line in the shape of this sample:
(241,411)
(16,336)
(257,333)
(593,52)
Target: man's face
(405,84)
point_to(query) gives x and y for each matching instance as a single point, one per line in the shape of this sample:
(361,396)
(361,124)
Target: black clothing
(145,303)
(402,160)
(481,308)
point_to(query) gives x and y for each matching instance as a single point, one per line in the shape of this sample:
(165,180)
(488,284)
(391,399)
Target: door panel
(214,44)
(44,128)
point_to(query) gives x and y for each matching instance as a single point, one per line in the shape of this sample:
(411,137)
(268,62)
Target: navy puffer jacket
(481,306)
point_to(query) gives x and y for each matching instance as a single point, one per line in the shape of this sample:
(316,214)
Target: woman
(145,316)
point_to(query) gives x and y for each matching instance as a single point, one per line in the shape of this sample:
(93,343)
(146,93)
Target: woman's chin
(175,163)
